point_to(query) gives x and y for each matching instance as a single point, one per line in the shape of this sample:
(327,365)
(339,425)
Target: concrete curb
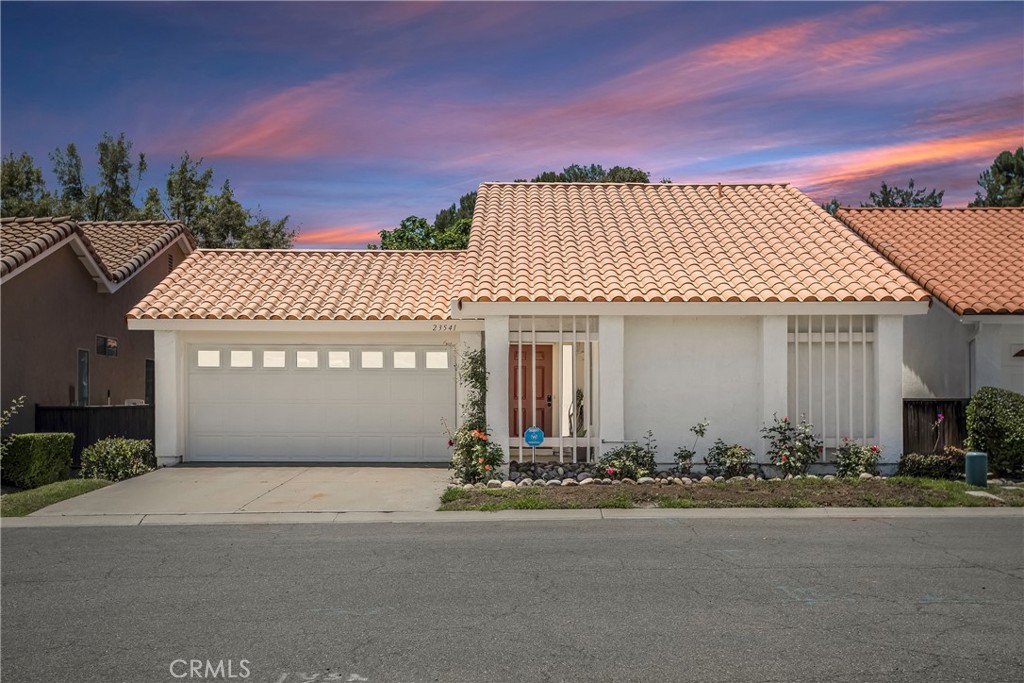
(518,516)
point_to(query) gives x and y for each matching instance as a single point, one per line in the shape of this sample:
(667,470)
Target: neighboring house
(972,262)
(65,287)
(605,310)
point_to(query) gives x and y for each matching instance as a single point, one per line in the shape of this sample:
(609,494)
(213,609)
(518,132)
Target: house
(972,263)
(605,310)
(65,287)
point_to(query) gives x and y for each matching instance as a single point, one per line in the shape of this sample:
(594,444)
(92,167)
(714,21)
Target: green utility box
(976,468)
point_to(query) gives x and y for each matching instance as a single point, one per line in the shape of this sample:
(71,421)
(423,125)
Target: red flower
(450,443)
(784,458)
(875,449)
(786,419)
(611,471)
(487,467)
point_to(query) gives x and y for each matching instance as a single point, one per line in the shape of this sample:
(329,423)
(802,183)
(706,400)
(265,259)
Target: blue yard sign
(534,436)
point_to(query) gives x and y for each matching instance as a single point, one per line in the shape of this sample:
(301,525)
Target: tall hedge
(995,425)
(33,460)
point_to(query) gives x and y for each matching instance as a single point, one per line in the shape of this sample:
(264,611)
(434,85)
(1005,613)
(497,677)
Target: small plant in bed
(631,461)
(684,456)
(728,460)
(793,448)
(854,459)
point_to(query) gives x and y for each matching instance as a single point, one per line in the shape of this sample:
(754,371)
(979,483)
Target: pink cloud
(343,234)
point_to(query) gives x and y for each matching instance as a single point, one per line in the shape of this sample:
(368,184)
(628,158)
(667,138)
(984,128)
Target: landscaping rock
(737,478)
(677,481)
(616,482)
(584,475)
(526,482)
(627,480)
(587,482)
(995,482)
(570,482)
(645,480)
(552,482)
(686,481)
(508,484)
(479,485)
(719,479)
(751,477)
(829,477)
(865,475)
(493,484)
(514,476)
(467,487)
(607,481)
(561,471)
(706,480)
(812,476)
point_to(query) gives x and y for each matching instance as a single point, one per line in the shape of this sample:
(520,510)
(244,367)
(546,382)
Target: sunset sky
(351,116)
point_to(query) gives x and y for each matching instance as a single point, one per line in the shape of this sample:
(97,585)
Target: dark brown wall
(52,309)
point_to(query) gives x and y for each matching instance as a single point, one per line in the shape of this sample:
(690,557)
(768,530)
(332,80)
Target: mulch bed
(779,493)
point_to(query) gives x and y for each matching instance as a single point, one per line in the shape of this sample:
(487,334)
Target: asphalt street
(760,600)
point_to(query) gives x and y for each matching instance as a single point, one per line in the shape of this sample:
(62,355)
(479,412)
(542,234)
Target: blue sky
(350,116)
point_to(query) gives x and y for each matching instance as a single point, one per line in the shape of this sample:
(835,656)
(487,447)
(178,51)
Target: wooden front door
(530,396)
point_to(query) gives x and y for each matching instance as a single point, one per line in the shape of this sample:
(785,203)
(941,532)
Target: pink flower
(941,417)
(875,449)
(786,419)
(611,471)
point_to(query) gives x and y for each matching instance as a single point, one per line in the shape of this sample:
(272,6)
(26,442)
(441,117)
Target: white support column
(168,399)
(496,348)
(611,340)
(774,373)
(468,341)
(889,386)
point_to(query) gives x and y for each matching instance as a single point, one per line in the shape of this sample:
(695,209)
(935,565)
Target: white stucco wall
(994,348)
(680,370)
(935,354)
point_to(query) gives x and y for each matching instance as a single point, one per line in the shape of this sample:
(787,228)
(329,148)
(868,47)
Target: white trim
(997,318)
(774,372)
(611,361)
(496,350)
(204,325)
(474,309)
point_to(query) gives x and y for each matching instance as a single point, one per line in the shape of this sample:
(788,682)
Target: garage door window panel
(241,358)
(404,360)
(437,360)
(371,360)
(274,359)
(208,358)
(339,359)
(307,359)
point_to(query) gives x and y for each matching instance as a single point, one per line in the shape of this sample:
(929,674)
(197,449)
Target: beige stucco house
(65,287)
(605,310)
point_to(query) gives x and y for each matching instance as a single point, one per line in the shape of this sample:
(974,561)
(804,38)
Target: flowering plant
(853,459)
(792,448)
(937,428)
(474,457)
(728,460)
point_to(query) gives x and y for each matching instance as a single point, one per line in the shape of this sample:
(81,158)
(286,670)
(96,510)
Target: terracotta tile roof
(667,242)
(23,239)
(119,248)
(970,259)
(124,246)
(225,284)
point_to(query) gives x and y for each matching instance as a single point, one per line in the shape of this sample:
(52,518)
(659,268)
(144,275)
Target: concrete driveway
(191,490)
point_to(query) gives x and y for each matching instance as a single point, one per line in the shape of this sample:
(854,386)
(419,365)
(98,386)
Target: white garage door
(332,404)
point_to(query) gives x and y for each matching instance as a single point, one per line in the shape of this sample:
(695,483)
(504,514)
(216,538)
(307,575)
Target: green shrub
(32,460)
(995,425)
(946,465)
(116,459)
(630,461)
(853,459)
(728,460)
(792,448)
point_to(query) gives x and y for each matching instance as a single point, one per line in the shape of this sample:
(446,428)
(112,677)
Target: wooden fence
(919,432)
(89,424)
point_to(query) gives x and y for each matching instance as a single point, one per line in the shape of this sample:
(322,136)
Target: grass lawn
(25,502)
(891,492)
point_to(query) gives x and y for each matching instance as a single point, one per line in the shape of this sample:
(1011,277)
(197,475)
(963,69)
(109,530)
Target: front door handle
(549,400)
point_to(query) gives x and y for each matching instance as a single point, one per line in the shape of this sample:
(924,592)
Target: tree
(831,206)
(67,166)
(1003,183)
(152,207)
(450,229)
(114,199)
(188,190)
(899,197)
(22,188)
